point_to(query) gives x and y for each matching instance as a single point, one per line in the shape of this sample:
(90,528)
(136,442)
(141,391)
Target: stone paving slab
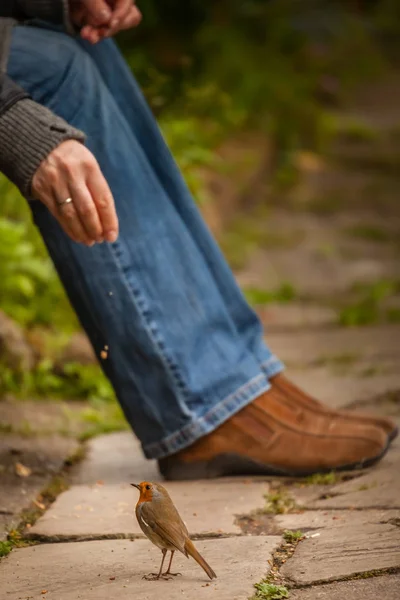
(361,342)
(378,487)
(43,417)
(386,587)
(27,464)
(296,315)
(101,570)
(345,543)
(87,512)
(7,522)
(115,458)
(341,390)
(387,404)
(310,272)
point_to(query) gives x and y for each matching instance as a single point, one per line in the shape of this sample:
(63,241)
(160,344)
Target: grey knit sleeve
(28,133)
(48,10)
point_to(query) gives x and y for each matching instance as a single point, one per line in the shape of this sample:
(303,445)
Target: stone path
(339,231)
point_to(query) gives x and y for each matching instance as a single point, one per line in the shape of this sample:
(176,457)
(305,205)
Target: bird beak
(136,486)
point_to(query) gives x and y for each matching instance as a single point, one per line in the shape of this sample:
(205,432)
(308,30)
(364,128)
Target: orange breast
(145,495)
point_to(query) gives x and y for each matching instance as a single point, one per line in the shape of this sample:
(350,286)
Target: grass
(292,536)
(322,479)
(258,296)
(339,360)
(393,315)
(369,232)
(83,423)
(279,502)
(366,486)
(5,548)
(248,233)
(29,516)
(103,418)
(368,309)
(270,591)
(72,380)
(47,496)
(324,206)
(353,130)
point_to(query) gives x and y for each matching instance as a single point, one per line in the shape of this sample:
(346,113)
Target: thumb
(98,12)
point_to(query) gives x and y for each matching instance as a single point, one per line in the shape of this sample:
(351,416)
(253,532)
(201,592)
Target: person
(185,353)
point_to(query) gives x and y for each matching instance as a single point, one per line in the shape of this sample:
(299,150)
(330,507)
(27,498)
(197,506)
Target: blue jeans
(185,350)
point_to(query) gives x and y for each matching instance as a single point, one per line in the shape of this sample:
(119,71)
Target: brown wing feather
(167,525)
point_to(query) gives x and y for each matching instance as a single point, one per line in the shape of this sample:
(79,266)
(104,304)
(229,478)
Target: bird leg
(155,576)
(168,571)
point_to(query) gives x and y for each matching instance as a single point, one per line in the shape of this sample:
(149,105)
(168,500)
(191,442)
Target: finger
(86,211)
(98,12)
(68,218)
(104,202)
(132,19)
(70,222)
(51,205)
(94,34)
(121,10)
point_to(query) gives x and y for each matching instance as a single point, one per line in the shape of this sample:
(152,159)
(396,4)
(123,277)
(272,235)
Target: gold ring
(67,201)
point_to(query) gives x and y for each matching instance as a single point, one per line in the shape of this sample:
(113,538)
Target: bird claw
(172,574)
(151,576)
(156,576)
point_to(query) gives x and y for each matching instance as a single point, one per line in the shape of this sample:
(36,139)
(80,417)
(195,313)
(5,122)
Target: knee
(50,66)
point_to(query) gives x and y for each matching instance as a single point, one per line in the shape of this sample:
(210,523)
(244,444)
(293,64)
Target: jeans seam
(168,441)
(151,326)
(270,361)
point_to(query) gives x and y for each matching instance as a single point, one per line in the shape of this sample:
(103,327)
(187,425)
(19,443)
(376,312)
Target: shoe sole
(393,435)
(233,464)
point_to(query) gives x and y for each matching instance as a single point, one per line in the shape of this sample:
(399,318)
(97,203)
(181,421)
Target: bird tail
(191,550)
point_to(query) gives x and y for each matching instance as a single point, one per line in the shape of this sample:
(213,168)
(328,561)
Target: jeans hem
(272,366)
(204,425)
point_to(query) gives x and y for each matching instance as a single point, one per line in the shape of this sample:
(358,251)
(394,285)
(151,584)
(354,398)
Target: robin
(161,523)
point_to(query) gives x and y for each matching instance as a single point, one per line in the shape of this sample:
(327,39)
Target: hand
(124,15)
(96,13)
(71,171)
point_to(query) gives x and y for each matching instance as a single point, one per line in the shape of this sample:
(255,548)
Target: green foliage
(292,536)
(322,479)
(370,232)
(208,71)
(255,64)
(71,381)
(285,293)
(270,591)
(102,418)
(279,502)
(367,310)
(30,289)
(5,548)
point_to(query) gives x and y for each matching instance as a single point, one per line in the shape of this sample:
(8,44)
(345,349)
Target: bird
(161,523)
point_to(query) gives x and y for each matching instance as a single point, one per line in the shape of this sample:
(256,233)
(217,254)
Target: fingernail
(111,236)
(114,23)
(105,13)
(100,240)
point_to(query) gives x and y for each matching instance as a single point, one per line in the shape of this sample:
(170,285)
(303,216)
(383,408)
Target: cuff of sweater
(28,133)
(48,10)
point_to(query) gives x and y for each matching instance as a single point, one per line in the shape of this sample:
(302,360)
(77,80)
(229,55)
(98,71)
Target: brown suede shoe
(264,439)
(296,397)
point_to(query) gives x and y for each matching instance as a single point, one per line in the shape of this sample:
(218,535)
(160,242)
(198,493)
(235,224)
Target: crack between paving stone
(18,536)
(64,539)
(348,508)
(354,577)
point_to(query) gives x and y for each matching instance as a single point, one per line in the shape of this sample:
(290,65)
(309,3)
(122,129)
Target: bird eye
(148,487)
